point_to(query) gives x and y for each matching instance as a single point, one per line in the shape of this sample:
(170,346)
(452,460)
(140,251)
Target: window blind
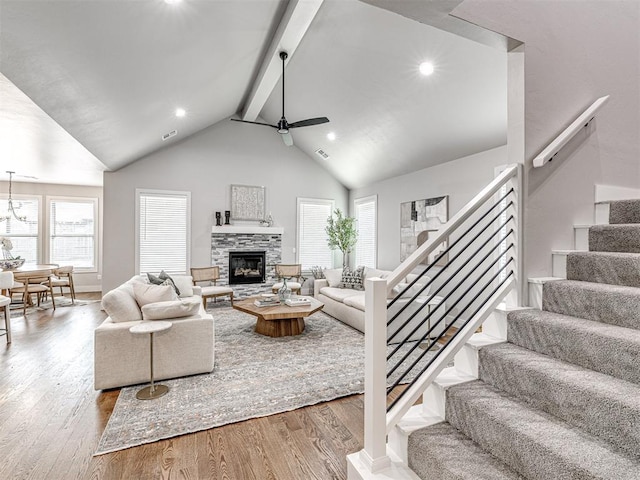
(72,226)
(23,235)
(163,232)
(366,223)
(313,249)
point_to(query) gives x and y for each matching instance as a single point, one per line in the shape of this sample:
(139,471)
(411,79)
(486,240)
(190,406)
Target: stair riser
(615,238)
(612,269)
(615,306)
(624,211)
(568,392)
(613,355)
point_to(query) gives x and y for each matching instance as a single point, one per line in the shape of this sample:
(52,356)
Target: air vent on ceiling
(167,136)
(322,154)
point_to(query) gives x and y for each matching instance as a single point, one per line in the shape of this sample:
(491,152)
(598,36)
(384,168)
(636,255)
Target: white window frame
(145,191)
(96,220)
(357,202)
(312,201)
(39,236)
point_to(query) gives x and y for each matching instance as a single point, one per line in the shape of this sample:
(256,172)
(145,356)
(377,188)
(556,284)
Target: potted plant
(342,234)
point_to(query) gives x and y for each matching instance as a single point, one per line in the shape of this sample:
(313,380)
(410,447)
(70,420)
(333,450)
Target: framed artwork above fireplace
(247,202)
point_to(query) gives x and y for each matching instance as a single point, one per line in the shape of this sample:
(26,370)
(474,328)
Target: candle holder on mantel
(218,219)
(227,217)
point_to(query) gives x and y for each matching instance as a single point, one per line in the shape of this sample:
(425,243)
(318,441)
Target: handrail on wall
(561,140)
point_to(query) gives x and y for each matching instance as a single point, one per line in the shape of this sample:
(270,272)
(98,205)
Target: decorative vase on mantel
(284,292)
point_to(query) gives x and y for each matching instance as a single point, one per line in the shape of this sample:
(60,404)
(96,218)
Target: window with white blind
(313,249)
(23,235)
(163,231)
(366,222)
(73,232)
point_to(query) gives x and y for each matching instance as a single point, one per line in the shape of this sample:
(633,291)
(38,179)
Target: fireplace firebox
(246,267)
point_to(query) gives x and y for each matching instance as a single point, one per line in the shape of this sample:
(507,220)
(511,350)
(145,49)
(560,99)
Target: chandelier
(10,209)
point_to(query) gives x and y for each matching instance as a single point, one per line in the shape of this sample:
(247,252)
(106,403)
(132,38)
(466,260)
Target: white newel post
(374,455)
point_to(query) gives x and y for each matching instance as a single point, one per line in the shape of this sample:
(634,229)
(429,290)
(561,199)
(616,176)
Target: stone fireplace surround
(246,238)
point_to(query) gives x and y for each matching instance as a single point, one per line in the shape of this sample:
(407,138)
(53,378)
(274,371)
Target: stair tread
(614,268)
(547,447)
(603,405)
(440,451)
(624,211)
(579,341)
(601,302)
(620,237)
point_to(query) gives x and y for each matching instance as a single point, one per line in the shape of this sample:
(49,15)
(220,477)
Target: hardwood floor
(51,420)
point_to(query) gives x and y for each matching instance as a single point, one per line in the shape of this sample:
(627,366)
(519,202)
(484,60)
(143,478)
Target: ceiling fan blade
(309,122)
(287,139)
(254,123)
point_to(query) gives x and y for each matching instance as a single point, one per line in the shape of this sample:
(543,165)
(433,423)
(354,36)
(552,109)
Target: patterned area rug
(254,376)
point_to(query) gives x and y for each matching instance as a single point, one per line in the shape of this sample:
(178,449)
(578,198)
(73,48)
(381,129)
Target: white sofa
(122,358)
(347,305)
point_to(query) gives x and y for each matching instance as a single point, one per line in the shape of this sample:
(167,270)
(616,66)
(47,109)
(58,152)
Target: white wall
(575,52)
(83,281)
(460,179)
(206,164)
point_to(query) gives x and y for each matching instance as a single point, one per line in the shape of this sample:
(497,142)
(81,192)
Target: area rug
(254,376)
(61,302)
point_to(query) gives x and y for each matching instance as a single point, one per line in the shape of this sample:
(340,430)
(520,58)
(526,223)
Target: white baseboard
(88,288)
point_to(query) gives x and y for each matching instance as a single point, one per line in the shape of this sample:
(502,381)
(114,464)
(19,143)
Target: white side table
(151,327)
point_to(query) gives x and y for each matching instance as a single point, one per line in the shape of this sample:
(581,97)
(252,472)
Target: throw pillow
(184,283)
(120,305)
(333,276)
(149,293)
(161,279)
(353,279)
(171,309)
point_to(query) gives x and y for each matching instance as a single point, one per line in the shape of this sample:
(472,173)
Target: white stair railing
(484,265)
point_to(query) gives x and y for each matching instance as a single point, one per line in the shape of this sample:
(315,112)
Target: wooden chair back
(293,270)
(205,274)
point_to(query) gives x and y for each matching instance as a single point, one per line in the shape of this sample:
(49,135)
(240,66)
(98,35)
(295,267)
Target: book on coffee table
(297,302)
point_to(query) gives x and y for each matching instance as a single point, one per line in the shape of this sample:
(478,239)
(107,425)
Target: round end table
(151,327)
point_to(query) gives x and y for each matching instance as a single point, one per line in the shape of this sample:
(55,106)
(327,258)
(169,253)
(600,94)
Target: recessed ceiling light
(180,112)
(426,68)
(172,2)
(331,136)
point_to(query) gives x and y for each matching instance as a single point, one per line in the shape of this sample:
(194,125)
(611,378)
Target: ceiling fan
(283,125)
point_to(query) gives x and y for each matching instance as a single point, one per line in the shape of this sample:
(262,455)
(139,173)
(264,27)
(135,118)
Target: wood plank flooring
(51,420)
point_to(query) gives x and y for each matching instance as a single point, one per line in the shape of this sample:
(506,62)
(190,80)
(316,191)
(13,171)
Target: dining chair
(288,272)
(210,276)
(63,278)
(36,281)
(6,282)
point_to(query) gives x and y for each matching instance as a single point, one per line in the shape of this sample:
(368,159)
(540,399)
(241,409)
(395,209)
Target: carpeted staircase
(560,399)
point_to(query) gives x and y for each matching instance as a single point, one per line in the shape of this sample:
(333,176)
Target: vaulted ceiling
(93,85)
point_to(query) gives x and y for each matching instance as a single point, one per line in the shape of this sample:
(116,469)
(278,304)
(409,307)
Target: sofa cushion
(163,279)
(333,276)
(338,294)
(184,283)
(148,293)
(121,305)
(355,301)
(171,309)
(353,279)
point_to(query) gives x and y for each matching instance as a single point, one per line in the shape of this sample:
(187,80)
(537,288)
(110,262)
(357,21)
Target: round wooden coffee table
(278,320)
